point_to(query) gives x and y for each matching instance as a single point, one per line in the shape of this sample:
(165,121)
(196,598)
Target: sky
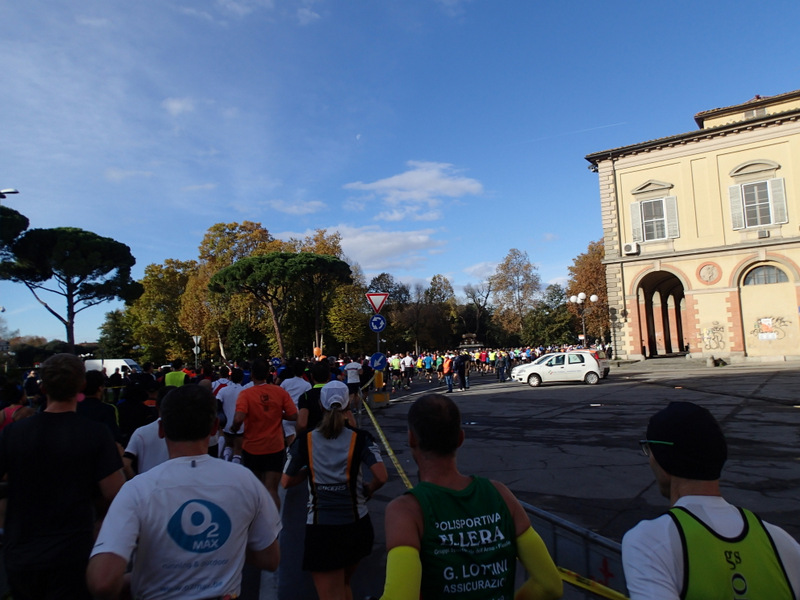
(433,135)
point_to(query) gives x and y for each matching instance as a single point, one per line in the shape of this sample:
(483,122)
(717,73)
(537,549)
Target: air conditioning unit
(631,249)
(763,234)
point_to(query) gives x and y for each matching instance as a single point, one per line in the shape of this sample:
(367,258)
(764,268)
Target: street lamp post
(2,196)
(579,300)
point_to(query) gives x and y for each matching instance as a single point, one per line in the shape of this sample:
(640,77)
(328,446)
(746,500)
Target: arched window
(764,275)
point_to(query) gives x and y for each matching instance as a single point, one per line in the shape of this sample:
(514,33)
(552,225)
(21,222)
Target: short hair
(435,421)
(94,381)
(162,392)
(237,375)
(177,364)
(260,369)
(320,372)
(296,367)
(63,376)
(188,413)
(224,370)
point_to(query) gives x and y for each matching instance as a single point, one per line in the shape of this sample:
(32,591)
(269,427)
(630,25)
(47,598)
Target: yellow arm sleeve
(403,574)
(544,581)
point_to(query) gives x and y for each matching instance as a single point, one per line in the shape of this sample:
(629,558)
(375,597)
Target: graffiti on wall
(714,336)
(770,328)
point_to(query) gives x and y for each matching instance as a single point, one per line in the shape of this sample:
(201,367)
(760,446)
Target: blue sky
(434,135)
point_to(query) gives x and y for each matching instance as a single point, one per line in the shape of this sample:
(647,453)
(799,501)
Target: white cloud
(114,174)
(307,16)
(200,187)
(193,12)
(562,281)
(178,106)
(453,7)
(92,21)
(242,8)
(481,270)
(417,193)
(376,250)
(550,237)
(298,208)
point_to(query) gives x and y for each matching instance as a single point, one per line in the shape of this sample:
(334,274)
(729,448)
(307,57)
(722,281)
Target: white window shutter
(777,201)
(737,210)
(671,215)
(636,222)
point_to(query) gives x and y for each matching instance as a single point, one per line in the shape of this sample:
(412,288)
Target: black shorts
(262,463)
(354,387)
(229,437)
(333,547)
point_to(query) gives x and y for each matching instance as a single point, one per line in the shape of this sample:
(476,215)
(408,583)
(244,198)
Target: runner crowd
(128,403)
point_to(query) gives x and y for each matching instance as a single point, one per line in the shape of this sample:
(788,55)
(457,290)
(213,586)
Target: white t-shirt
(227,396)
(219,383)
(351,370)
(149,449)
(296,386)
(652,553)
(189,520)
(406,363)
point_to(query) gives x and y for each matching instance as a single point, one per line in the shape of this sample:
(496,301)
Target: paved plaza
(572,450)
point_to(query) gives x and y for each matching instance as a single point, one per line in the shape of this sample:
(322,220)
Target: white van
(110,364)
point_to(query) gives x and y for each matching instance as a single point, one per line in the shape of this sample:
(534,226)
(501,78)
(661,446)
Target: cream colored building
(702,236)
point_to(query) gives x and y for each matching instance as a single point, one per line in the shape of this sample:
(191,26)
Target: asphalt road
(573,450)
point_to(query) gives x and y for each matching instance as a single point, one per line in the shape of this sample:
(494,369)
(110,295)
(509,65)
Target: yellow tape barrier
(566,575)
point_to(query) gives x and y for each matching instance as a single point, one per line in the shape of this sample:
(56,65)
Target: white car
(588,366)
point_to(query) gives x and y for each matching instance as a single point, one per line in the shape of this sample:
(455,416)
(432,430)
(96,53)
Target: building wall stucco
(707,305)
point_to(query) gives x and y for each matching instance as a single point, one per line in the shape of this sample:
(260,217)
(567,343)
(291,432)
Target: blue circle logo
(199,526)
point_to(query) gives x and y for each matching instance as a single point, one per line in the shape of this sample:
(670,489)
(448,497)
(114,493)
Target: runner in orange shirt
(263,407)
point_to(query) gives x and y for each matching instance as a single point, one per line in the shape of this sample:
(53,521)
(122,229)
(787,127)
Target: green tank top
(469,546)
(744,567)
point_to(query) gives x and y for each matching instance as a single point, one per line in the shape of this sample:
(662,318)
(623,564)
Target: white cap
(334,392)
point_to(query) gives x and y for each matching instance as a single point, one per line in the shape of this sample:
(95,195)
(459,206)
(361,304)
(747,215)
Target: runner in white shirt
(406,370)
(146,448)
(227,395)
(189,523)
(353,371)
(704,547)
(293,383)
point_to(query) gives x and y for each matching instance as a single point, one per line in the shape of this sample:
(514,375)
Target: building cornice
(693,136)
(719,250)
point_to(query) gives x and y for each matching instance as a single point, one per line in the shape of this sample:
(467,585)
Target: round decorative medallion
(709,273)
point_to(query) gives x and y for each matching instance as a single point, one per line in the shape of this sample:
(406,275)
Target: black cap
(698,449)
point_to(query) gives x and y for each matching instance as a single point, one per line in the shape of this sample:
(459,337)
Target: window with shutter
(656,219)
(758,203)
(671,213)
(636,222)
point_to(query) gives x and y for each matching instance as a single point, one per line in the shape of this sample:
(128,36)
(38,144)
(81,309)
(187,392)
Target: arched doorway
(768,300)
(661,305)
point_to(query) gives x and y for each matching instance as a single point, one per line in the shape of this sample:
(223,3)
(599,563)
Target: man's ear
(215,426)
(161,433)
(412,439)
(460,438)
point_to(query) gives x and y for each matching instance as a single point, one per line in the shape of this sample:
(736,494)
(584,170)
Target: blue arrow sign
(276,362)
(377,323)
(378,361)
